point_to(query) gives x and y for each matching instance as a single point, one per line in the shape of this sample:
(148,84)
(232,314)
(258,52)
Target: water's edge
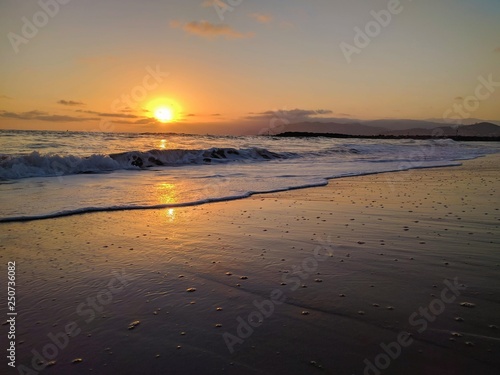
(88,210)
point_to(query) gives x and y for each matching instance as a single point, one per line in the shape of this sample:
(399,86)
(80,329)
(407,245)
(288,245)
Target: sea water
(46,174)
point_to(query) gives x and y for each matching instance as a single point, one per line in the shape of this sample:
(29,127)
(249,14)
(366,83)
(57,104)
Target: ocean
(48,174)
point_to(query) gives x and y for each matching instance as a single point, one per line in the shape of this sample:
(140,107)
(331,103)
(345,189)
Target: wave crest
(38,165)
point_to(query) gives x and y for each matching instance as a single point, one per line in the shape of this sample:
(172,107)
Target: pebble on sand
(77,360)
(467,304)
(134,324)
(315,364)
(191,290)
(305,312)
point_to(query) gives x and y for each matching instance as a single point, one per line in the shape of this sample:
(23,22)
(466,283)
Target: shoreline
(322,278)
(91,210)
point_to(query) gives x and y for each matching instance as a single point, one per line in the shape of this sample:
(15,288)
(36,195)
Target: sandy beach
(394,273)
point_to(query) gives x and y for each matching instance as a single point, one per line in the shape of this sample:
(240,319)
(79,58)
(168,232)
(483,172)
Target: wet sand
(309,281)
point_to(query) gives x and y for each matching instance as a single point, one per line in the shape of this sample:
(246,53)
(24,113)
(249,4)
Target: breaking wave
(38,165)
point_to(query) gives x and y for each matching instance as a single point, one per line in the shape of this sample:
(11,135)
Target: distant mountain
(483,129)
(413,124)
(403,124)
(422,128)
(333,127)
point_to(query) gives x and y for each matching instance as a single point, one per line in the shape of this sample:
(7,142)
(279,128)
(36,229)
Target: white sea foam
(77,173)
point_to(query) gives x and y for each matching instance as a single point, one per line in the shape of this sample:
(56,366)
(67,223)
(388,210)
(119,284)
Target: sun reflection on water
(167,195)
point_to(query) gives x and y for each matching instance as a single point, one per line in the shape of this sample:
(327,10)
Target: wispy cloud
(127,110)
(209,30)
(292,114)
(261,17)
(43,116)
(105,114)
(5,97)
(141,121)
(70,102)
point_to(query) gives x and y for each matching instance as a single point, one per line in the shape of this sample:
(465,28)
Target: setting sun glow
(164,114)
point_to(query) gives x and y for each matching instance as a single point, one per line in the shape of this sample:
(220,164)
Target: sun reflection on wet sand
(170,214)
(167,195)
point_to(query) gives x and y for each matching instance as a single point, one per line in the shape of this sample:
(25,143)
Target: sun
(164,114)
(163,110)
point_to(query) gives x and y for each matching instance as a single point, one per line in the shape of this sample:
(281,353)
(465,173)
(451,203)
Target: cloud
(261,17)
(141,121)
(5,97)
(105,114)
(69,102)
(290,115)
(459,98)
(43,116)
(209,30)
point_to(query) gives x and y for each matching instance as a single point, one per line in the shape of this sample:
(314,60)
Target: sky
(245,66)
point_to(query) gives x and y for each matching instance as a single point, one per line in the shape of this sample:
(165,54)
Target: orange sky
(107,66)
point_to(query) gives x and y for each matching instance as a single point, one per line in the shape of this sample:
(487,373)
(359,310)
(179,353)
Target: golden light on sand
(164,114)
